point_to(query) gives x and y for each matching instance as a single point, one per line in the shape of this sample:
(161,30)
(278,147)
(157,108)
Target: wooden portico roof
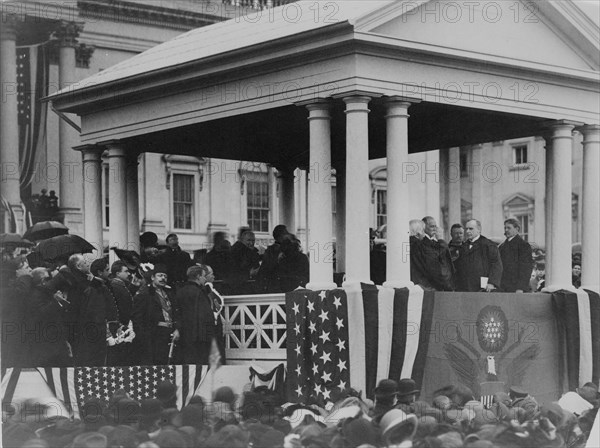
(232,89)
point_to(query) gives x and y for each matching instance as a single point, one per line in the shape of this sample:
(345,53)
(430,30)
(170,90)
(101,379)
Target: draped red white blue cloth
(75,385)
(488,342)
(32,85)
(353,338)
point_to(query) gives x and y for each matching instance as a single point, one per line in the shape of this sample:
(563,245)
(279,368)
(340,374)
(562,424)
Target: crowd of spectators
(394,418)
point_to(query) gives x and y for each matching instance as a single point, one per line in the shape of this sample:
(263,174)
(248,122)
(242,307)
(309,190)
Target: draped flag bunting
(273,379)
(488,342)
(578,315)
(32,85)
(75,385)
(354,338)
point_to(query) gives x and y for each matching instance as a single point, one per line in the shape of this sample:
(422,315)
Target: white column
(476,179)
(590,241)
(358,189)
(9,130)
(70,197)
(117,190)
(340,219)
(398,196)
(92,194)
(287,202)
(431,177)
(133,204)
(319,198)
(454,199)
(560,257)
(548,207)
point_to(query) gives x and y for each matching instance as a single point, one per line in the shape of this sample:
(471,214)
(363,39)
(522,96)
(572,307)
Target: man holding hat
(156,319)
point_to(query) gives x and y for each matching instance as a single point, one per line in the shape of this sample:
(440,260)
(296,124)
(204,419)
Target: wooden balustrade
(255,328)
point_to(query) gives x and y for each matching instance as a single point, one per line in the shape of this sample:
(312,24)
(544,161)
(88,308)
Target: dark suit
(517,264)
(152,340)
(198,326)
(439,270)
(481,260)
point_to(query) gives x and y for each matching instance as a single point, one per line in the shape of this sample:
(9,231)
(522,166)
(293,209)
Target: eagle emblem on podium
(488,369)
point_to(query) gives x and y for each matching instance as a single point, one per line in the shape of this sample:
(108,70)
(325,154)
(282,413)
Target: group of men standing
(92,314)
(470,262)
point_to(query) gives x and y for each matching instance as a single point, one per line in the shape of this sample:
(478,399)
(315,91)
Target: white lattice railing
(255,328)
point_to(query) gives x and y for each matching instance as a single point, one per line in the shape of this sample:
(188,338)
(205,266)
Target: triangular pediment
(533,32)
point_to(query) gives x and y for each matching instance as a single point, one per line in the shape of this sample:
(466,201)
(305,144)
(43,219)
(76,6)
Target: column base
(558,287)
(72,217)
(355,284)
(397,284)
(595,288)
(319,286)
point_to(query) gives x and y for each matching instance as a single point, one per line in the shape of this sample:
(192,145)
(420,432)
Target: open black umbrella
(46,229)
(130,257)
(14,240)
(62,246)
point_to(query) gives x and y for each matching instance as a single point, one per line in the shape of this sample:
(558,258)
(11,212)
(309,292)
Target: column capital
(400,100)
(115,148)
(591,132)
(8,31)
(315,104)
(560,125)
(67,33)
(83,54)
(320,110)
(90,153)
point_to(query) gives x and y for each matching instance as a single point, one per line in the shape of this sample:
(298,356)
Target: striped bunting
(74,385)
(387,337)
(10,378)
(61,382)
(578,314)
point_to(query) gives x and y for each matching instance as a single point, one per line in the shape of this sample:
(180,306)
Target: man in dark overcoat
(439,269)
(198,325)
(517,260)
(478,259)
(92,307)
(156,320)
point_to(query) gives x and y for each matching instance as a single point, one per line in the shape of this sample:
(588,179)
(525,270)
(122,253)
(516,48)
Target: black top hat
(407,386)
(386,388)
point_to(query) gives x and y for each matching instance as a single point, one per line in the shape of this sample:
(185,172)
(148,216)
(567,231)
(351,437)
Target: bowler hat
(407,386)
(386,388)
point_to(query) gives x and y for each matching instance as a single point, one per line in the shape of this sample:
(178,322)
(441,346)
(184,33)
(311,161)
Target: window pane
(183,194)
(258,205)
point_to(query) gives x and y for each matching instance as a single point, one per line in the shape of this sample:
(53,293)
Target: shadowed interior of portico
(280,136)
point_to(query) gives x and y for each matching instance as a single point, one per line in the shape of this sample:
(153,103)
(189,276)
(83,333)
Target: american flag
(32,85)
(317,338)
(75,385)
(354,337)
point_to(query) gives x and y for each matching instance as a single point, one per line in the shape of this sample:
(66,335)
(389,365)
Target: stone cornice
(146,14)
